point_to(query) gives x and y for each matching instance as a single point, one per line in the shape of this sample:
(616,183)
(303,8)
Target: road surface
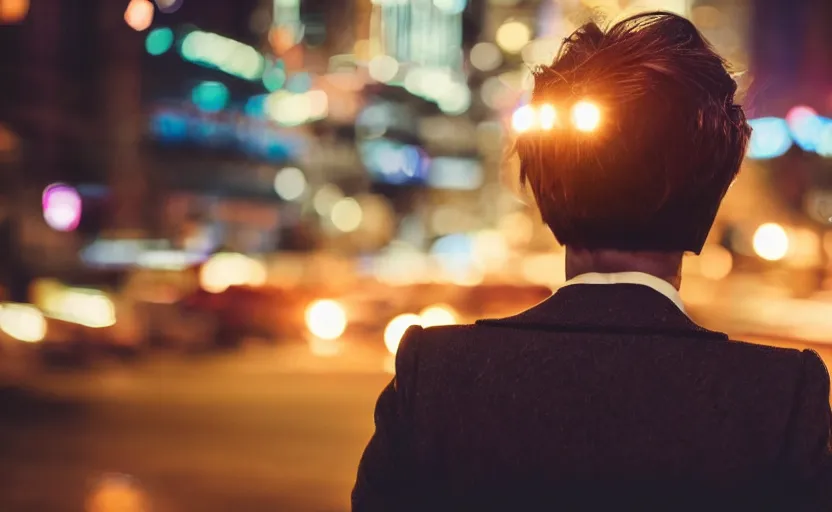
(252,432)
(265,429)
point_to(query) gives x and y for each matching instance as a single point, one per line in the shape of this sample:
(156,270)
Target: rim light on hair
(586,116)
(524,119)
(547,116)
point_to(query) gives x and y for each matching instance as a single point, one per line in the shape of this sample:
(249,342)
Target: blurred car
(86,315)
(160,297)
(370,309)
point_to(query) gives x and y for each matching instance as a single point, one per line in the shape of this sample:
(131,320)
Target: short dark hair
(669,144)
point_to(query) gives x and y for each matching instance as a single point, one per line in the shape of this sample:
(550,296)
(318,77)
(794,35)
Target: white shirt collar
(660,285)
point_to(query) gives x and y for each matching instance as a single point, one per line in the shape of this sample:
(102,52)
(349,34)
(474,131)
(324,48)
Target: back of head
(637,136)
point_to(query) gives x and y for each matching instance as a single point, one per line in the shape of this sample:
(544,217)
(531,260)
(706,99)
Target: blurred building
(262,125)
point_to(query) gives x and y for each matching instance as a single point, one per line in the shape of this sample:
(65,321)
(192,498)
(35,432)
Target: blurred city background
(218,218)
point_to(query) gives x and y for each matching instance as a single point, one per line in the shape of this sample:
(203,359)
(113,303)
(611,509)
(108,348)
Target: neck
(664,265)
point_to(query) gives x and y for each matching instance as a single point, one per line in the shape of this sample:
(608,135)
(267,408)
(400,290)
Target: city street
(264,429)
(257,431)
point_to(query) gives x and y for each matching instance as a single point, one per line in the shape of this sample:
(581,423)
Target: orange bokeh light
(13,11)
(139,14)
(281,40)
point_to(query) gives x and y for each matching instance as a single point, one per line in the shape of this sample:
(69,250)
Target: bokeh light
(383,68)
(346,215)
(281,39)
(169,6)
(159,41)
(290,183)
(547,117)
(291,109)
(805,125)
(139,14)
(13,11)
(540,52)
(326,319)
(62,207)
(770,138)
(299,83)
(396,328)
(824,147)
(117,492)
(486,56)
(436,315)
(229,56)
(256,106)
(715,262)
(771,242)
(451,6)
(210,96)
(326,198)
(455,100)
(512,36)
(87,307)
(23,322)
(318,104)
(224,270)
(586,116)
(274,77)
(523,119)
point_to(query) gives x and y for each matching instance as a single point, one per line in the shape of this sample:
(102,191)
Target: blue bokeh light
(770,138)
(210,96)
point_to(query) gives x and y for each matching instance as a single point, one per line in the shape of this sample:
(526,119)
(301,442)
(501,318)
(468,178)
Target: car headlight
(23,322)
(326,319)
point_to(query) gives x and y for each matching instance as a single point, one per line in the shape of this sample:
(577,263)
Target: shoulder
(421,344)
(814,376)
(767,353)
(806,362)
(814,366)
(786,367)
(425,349)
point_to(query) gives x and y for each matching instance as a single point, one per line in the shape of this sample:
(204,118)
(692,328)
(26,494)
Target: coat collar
(626,308)
(660,285)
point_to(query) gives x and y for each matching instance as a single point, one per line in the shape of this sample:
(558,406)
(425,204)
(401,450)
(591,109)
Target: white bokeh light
(290,183)
(346,215)
(771,242)
(396,328)
(326,319)
(436,315)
